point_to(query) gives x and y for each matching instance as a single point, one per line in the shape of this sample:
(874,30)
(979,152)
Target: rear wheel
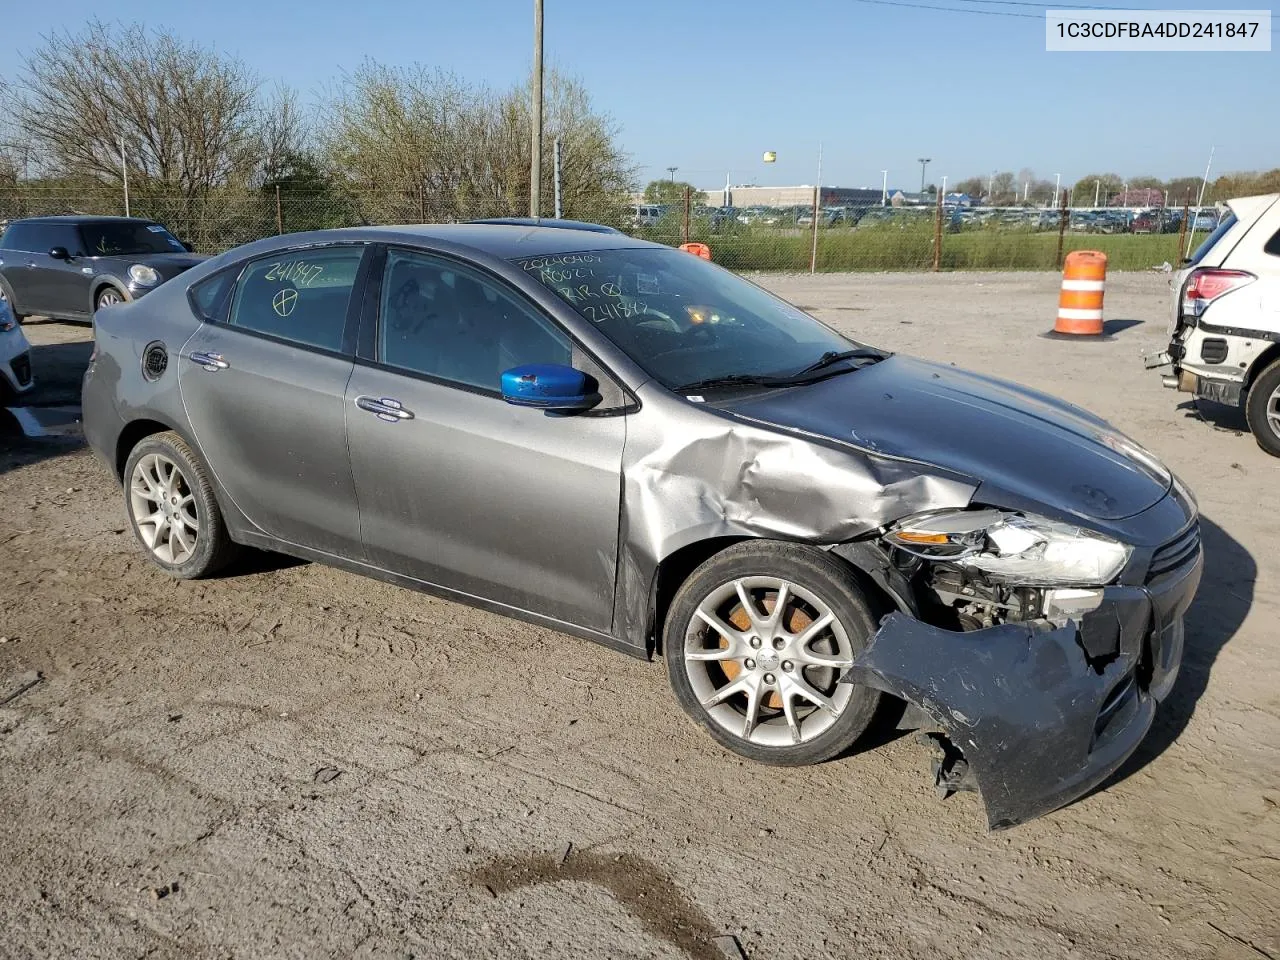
(1262,409)
(756,641)
(172,509)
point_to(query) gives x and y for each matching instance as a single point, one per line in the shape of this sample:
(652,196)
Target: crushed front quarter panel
(701,474)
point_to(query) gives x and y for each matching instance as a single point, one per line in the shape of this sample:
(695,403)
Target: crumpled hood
(1019,440)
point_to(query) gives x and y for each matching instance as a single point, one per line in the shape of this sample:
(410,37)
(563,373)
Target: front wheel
(1262,409)
(107,297)
(755,643)
(172,509)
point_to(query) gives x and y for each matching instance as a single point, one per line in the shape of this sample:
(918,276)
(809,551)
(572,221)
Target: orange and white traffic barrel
(697,249)
(1084,280)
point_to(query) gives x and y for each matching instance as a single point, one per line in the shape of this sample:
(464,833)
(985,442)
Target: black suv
(68,267)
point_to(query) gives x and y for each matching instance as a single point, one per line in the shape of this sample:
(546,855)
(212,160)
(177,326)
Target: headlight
(143,275)
(1015,548)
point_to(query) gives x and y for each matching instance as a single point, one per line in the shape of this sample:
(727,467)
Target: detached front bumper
(1042,714)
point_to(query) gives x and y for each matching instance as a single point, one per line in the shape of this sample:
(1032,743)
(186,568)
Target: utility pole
(1057,186)
(1097,186)
(557,175)
(884,188)
(991,186)
(535,164)
(124,175)
(924,163)
(672,171)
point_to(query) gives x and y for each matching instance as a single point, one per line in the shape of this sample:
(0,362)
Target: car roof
(82,219)
(505,241)
(542,222)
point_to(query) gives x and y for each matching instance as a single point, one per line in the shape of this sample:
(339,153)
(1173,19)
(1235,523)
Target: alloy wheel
(109,298)
(764,657)
(1273,411)
(164,509)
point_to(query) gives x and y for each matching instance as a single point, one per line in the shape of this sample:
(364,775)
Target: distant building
(798,196)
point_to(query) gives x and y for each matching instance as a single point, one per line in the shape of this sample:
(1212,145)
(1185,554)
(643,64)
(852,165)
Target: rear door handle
(385,408)
(212,362)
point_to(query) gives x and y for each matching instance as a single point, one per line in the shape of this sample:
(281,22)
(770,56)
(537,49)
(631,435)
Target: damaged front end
(1035,692)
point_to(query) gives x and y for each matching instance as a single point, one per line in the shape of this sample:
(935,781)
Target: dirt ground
(292,761)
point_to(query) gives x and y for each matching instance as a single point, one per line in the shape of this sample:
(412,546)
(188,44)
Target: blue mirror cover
(552,386)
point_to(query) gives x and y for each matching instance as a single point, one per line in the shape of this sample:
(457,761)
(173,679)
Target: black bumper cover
(1041,714)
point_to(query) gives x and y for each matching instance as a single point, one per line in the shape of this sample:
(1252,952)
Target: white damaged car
(15,356)
(1225,331)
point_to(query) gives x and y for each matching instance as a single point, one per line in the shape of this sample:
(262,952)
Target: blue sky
(707,86)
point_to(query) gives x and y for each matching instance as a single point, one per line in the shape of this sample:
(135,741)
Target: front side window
(301,296)
(455,324)
(685,320)
(122,238)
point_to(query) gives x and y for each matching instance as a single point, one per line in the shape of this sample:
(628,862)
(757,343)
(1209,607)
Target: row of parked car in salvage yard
(605,396)
(69,267)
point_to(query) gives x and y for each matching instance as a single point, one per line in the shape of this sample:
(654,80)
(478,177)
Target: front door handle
(385,408)
(212,362)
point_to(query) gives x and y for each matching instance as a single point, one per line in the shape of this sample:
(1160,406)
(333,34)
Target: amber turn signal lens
(912,537)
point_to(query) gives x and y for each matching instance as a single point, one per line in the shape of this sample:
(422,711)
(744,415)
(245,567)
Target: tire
(108,296)
(7,295)
(187,539)
(703,663)
(1262,409)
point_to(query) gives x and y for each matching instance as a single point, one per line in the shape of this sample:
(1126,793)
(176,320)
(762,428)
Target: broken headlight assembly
(1012,547)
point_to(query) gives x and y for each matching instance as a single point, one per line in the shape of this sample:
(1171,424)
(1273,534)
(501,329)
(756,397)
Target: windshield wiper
(733,380)
(835,356)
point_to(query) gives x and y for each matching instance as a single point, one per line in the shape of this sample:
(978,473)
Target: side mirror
(549,386)
(59,253)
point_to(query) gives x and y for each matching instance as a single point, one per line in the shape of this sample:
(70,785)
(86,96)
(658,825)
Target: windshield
(682,319)
(125,238)
(1227,223)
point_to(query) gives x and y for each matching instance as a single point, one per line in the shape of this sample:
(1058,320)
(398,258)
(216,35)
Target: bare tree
(186,118)
(425,141)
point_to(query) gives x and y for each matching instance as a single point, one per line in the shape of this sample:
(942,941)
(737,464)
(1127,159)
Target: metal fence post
(688,197)
(1182,233)
(1063,217)
(813,254)
(937,233)
(279,213)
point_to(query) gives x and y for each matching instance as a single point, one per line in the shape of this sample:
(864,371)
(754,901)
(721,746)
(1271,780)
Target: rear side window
(1227,223)
(301,297)
(16,236)
(31,237)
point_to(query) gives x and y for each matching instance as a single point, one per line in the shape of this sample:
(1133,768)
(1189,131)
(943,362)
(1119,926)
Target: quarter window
(454,324)
(301,296)
(1273,245)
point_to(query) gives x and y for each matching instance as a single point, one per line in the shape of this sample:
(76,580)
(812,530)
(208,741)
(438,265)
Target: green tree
(671,191)
(1101,185)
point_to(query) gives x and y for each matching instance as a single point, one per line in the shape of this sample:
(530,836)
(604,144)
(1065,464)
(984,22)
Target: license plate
(1161,359)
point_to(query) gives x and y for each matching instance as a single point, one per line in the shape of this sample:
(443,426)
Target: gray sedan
(627,443)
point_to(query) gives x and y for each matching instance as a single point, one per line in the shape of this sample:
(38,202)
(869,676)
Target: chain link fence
(869,238)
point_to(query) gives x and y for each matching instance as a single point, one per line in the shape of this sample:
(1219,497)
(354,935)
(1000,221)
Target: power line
(923,6)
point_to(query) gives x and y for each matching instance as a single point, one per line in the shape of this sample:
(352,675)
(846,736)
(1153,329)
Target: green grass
(911,248)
